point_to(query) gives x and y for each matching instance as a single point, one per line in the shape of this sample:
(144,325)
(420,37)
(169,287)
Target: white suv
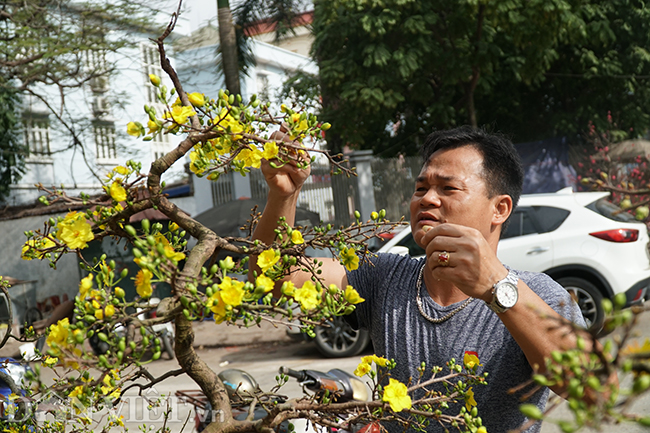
(581,240)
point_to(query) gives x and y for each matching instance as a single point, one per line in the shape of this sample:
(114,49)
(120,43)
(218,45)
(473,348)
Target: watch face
(506,294)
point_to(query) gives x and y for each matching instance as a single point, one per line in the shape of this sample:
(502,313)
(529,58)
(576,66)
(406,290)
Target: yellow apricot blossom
(264,282)
(135,129)
(108,389)
(196,99)
(77,391)
(469,399)
(179,114)
(352,296)
(120,169)
(232,291)
(362,369)
(270,150)
(74,231)
(218,307)
(227,123)
(470,359)
(307,296)
(250,157)
(268,259)
(349,259)
(227,264)
(143,283)
(153,126)
(379,360)
(117,191)
(296,238)
(58,336)
(396,394)
(36,244)
(288,288)
(169,251)
(194,156)
(85,285)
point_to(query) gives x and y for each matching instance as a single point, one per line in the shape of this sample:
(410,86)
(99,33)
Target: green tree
(393,71)
(235,28)
(51,48)
(12,149)
(600,75)
(228,47)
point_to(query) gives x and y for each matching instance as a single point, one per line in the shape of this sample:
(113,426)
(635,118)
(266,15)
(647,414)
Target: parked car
(583,241)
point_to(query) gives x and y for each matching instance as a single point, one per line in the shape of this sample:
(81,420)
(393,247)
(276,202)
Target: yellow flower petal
(396,394)
(117,192)
(296,238)
(268,259)
(352,296)
(143,283)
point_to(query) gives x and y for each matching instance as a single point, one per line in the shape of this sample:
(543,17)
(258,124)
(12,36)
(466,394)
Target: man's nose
(430,198)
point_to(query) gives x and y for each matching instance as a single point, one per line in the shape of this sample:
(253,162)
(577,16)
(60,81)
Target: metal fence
(222,190)
(394,182)
(335,198)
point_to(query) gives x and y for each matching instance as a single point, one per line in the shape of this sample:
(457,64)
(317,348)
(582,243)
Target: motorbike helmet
(238,380)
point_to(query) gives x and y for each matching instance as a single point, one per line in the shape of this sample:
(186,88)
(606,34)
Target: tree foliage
(392,71)
(51,48)
(12,149)
(52,42)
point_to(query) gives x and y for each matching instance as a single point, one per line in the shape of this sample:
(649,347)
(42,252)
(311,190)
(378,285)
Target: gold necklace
(425,315)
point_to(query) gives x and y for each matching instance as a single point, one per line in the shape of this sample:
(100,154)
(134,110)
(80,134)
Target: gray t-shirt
(399,331)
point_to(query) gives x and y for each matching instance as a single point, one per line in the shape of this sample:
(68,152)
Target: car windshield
(609,210)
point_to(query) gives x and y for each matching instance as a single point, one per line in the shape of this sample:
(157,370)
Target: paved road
(262,360)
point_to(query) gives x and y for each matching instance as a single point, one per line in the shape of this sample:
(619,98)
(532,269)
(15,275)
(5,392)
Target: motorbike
(14,371)
(338,384)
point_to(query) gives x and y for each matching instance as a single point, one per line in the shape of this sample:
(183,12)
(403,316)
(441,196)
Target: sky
(195,14)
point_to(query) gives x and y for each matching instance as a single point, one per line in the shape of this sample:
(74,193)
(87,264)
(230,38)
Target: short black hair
(502,168)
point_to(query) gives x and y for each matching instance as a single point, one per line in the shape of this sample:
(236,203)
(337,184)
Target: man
(460,298)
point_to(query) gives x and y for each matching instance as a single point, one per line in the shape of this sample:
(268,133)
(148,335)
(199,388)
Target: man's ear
(502,209)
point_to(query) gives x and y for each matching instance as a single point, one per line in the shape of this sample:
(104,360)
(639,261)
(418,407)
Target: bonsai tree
(220,133)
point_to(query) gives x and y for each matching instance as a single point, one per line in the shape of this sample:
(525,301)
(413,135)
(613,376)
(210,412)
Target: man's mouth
(427,220)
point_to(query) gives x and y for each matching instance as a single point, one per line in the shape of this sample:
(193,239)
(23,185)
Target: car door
(523,246)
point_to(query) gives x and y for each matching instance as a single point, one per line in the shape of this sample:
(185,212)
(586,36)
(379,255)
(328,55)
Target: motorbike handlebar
(301,376)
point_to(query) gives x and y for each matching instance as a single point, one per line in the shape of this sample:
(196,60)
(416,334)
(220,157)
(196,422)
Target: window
(37,134)
(608,210)
(263,86)
(96,67)
(520,224)
(150,65)
(105,141)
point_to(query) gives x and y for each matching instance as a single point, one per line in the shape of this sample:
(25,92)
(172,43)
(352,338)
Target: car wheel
(340,339)
(589,299)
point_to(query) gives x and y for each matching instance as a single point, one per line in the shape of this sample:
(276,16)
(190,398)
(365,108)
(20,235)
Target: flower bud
(155,79)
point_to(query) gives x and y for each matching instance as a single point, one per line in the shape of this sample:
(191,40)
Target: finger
(282,134)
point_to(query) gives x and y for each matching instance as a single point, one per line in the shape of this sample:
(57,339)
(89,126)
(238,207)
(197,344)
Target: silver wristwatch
(504,294)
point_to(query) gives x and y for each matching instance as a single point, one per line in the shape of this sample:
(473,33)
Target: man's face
(451,189)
